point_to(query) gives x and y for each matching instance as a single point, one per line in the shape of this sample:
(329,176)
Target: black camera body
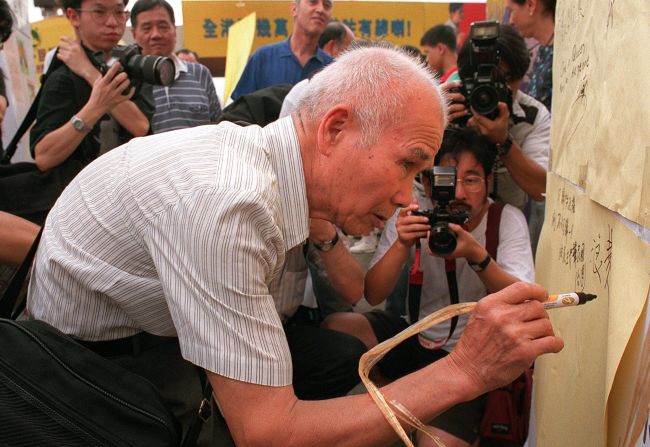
(482,83)
(442,240)
(155,70)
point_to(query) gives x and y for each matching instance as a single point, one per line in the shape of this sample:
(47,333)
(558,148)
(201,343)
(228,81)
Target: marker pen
(568,299)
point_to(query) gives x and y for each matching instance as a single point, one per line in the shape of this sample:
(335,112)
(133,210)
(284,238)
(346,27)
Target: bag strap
(9,307)
(492,230)
(204,412)
(9,152)
(416,276)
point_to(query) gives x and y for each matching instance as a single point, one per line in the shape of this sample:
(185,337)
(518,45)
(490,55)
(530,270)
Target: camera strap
(416,276)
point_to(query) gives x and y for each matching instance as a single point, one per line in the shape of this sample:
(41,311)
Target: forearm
(55,147)
(131,118)
(530,176)
(382,277)
(16,237)
(344,272)
(351,420)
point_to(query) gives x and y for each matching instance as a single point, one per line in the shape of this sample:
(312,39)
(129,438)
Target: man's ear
(331,127)
(73,16)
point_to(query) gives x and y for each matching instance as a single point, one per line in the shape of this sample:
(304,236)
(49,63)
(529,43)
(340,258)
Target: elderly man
(186,234)
(291,60)
(191,100)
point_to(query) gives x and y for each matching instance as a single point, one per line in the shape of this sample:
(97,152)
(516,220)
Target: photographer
(83,113)
(521,135)
(476,273)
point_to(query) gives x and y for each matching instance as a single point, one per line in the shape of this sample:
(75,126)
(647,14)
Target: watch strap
(504,148)
(480,266)
(328,245)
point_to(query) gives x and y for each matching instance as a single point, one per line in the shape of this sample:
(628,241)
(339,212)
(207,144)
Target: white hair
(376,82)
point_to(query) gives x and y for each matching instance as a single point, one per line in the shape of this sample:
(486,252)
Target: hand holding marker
(568,299)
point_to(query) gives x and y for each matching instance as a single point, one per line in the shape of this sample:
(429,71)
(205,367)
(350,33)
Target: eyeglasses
(102,14)
(472,183)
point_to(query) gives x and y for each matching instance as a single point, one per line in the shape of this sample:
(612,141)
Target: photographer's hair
(6,21)
(335,31)
(512,48)
(547,5)
(453,7)
(76,4)
(439,34)
(455,141)
(146,5)
(360,78)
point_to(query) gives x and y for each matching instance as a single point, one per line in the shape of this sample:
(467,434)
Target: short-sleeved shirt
(184,233)
(191,100)
(276,64)
(530,127)
(64,94)
(514,256)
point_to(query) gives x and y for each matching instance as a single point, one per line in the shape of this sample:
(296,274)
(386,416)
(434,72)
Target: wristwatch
(480,266)
(79,124)
(327,245)
(504,148)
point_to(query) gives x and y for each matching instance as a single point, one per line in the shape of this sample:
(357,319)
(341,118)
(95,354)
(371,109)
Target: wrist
(503,146)
(328,244)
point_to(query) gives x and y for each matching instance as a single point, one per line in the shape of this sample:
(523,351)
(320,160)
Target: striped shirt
(186,233)
(191,100)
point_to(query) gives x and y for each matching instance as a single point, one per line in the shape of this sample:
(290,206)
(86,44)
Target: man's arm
(343,271)
(503,337)
(493,276)
(383,275)
(126,113)
(529,175)
(57,145)
(211,92)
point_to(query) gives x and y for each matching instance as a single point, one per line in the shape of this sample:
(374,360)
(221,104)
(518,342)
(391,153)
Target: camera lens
(484,99)
(156,70)
(442,241)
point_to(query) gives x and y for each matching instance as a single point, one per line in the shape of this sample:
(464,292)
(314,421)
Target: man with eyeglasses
(475,273)
(83,113)
(191,100)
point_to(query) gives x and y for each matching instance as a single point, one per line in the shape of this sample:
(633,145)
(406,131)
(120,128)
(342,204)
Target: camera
(156,70)
(442,240)
(482,83)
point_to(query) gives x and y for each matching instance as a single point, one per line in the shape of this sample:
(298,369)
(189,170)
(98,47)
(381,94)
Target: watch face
(78,124)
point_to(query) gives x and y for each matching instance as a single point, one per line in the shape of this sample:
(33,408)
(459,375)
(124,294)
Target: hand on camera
(108,90)
(466,246)
(456,109)
(496,130)
(409,227)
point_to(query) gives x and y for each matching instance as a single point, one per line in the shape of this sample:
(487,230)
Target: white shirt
(183,233)
(514,256)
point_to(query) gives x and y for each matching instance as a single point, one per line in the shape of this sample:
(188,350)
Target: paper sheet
(600,136)
(585,247)
(240,42)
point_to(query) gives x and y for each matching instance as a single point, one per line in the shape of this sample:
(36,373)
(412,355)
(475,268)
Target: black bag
(53,391)
(26,191)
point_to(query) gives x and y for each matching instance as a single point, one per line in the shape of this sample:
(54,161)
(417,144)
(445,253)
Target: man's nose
(460,190)
(404,195)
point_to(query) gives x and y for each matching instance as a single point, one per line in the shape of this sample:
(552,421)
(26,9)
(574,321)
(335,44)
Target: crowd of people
(227,244)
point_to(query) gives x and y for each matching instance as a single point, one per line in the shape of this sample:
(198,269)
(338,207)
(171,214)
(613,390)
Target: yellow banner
(45,36)
(206,23)
(239,48)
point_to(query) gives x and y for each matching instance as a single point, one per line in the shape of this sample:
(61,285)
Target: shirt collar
(286,158)
(285,51)
(179,65)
